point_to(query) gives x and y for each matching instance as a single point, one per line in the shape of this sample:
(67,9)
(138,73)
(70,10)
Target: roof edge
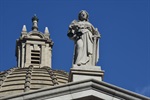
(79,86)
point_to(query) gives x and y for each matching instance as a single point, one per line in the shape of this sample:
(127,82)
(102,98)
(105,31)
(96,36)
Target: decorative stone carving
(86,39)
(28,79)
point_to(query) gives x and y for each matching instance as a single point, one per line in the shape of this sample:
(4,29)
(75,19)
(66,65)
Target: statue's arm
(71,32)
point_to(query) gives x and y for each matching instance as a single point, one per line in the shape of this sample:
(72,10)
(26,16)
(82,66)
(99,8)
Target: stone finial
(46,33)
(35,21)
(24,29)
(46,30)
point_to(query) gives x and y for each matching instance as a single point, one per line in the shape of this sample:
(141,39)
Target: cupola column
(28,55)
(43,55)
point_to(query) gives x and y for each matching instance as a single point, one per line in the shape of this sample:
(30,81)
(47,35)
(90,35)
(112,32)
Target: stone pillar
(47,53)
(18,58)
(50,57)
(43,55)
(22,55)
(28,55)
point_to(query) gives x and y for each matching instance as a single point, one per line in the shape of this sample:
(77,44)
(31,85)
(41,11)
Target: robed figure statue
(86,39)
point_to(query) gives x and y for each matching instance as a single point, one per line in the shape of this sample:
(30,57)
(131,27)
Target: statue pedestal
(78,73)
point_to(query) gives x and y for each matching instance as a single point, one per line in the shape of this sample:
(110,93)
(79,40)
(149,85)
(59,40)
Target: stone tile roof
(19,80)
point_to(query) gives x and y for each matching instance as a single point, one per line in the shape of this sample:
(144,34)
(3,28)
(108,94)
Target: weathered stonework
(26,79)
(34,47)
(86,53)
(86,39)
(33,71)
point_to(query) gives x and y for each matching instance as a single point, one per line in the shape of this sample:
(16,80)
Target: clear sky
(124,26)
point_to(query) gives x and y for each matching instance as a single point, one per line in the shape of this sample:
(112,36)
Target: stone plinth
(78,73)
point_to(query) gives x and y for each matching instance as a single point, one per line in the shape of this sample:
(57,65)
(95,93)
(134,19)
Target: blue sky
(124,26)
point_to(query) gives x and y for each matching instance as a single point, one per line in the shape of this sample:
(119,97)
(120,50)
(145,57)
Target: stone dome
(19,80)
(34,69)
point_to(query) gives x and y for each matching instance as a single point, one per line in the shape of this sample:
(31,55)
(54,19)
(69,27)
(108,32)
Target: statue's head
(83,15)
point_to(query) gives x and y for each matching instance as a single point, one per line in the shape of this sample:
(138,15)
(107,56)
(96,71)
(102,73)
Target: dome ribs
(52,75)
(40,79)
(19,80)
(62,76)
(5,75)
(28,79)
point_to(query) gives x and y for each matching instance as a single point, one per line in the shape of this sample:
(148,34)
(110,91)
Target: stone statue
(86,39)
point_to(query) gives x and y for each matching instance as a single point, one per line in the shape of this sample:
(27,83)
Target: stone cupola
(34,47)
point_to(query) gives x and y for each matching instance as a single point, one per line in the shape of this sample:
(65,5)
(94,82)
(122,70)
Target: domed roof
(19,80)
(33,71)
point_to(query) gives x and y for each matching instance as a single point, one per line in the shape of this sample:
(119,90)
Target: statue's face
(83,16)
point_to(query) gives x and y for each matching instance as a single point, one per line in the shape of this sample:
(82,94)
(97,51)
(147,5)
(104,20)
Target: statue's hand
(79,34)
(70,35)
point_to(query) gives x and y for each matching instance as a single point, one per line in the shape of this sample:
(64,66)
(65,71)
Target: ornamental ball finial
(35,18)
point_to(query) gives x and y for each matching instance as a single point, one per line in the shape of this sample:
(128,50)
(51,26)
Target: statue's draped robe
(83,44)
